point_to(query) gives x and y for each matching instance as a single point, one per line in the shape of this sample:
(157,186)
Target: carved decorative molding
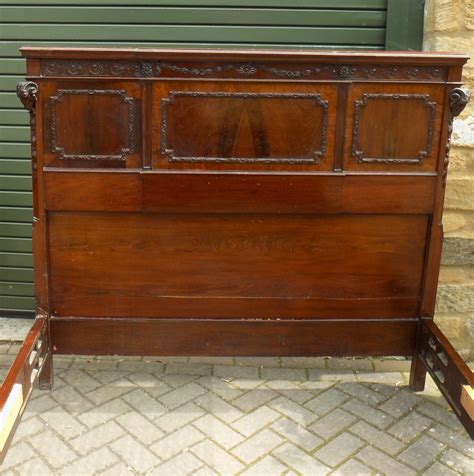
(458,99)
(148,69)
(130,146)
(27,92)
(357,150)
(317,154)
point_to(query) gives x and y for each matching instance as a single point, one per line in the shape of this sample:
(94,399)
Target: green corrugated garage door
(369,24)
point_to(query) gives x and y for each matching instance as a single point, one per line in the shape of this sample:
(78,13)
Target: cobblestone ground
(205,416)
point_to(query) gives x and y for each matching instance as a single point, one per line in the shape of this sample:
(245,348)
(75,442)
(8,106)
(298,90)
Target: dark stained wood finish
(221,266)
(232,337)
(241,202)
(238,193)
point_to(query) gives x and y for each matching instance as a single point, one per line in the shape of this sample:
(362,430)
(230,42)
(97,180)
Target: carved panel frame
(317,154)
(129,148)
(357,150)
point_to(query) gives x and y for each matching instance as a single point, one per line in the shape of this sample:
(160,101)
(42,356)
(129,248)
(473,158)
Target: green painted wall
(334,24)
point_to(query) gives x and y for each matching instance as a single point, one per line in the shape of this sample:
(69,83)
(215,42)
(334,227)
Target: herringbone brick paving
(206,416)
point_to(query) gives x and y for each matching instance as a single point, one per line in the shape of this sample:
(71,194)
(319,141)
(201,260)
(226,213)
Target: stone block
(455,298)
(459,194)
(458,251)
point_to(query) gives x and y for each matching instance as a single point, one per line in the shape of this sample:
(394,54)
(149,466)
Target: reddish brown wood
(243,202)
(232,337)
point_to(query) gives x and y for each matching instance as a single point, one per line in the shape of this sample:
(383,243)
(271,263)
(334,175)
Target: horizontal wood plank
(248,337)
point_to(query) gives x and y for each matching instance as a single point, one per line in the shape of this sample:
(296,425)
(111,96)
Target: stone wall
(449,26)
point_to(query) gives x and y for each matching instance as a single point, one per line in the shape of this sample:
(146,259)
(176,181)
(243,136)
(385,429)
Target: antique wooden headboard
(221,202)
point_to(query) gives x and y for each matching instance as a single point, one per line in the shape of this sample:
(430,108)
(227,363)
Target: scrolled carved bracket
(458,99)
(27,91)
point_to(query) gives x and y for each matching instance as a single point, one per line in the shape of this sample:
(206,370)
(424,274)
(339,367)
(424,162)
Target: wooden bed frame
(238,202)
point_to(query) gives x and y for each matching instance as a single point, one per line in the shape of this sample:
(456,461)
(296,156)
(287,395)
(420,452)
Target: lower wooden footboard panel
(221,337)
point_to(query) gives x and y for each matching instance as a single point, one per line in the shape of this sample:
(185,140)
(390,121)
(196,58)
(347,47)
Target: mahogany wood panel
(393,127)
(231,337)
(201,265)
(238,193)
(243,126)
(92,124)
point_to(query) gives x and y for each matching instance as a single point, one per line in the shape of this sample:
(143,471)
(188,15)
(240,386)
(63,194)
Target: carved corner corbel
(27,91)
(458,99)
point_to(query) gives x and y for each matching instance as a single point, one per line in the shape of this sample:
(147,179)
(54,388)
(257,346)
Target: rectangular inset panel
(393,127)
(92,124)
(207,265)
(243,126)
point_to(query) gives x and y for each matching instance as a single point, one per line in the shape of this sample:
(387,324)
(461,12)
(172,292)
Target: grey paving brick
(339,449)
(349,364)
(422,452)
(139,427)
(254,421)
(176,442)
(410,426)
(304,362)
(99,415)
(377,438)
(33,467)
(91,463)
(227,371)
(218,431)
(178,380)
(182,464)
(257,446)
(106,393)
(291,390)
(52,449)
(218,406)
(327,401)
(392,365)
(383,463)
(439,469)
(332,375)
(392,378)
(181,395)
(370,414)
(459,462)
(141,366)
(212,360)
(220,387)
(96,438)
(17,454)
(353,468)
(254,398)
(332,423)
(29,427)
(292,410)
(191,369)
(119,469)
(205,471)
(218,459)
(270,373)
(179,417)
(440,414)
(401,403)
(265,467)
(460,442)
(153,385)
(257,361)
(141,401)
(134,454)
(62,422)
(361,392)
(71,400)
(80,379)
(297,434)
(299,460)
(41,403)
